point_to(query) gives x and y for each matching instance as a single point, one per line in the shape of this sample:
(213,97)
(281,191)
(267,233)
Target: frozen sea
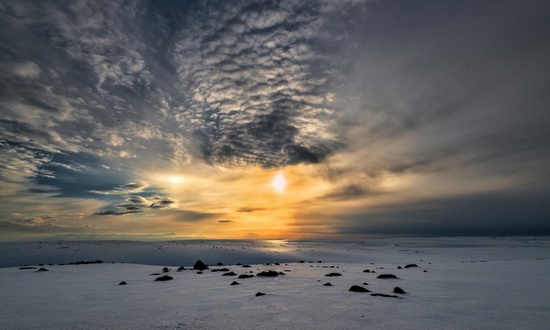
(460,283)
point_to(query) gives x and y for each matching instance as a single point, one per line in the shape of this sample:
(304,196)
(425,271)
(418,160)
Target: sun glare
(279,182)
(174,179)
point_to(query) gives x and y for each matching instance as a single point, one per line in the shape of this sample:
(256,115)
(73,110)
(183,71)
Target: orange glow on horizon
(251,202)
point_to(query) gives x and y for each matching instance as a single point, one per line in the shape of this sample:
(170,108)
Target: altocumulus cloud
(253,95)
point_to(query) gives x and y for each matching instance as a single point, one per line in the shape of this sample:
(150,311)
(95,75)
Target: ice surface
(469,283)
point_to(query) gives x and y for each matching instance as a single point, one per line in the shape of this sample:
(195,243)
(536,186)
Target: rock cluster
(269,273)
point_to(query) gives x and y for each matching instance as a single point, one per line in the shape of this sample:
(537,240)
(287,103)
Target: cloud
(130,188)
(349,192)
(250,209)
(225,221)
(161,203)
(26,70)
(46,226)
(253,97)
(508,213)
(113,212)
(134,202)
(383,110)
(190,216)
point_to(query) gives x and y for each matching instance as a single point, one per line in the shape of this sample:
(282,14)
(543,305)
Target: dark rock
(398,290)
(425,271)
(277,264)
(199,265)
(245,276)
(383,295)
(235,283)
(27,267)
(269,273)
(122,283)
(165,270)
(357,288)
(387,276)
(219,270)
(220,264)
(42,270)
(301,261)
(411,265)
(365,283)
(327,284)
(366,271)
(246,266)
(229,274)
(281,273)
(399,267)
(86,262)
(333,274)
(180,269)
(199,272)
(260,294)
(164,278)
(155,274)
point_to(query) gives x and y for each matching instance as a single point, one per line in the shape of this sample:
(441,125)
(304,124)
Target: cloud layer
(402,112)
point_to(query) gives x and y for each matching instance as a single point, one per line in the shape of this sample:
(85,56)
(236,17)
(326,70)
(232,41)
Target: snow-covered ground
(461,283)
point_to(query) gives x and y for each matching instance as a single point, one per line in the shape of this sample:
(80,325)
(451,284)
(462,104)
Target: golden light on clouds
(250,202)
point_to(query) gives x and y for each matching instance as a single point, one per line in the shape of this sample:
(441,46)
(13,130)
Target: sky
(259,119)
